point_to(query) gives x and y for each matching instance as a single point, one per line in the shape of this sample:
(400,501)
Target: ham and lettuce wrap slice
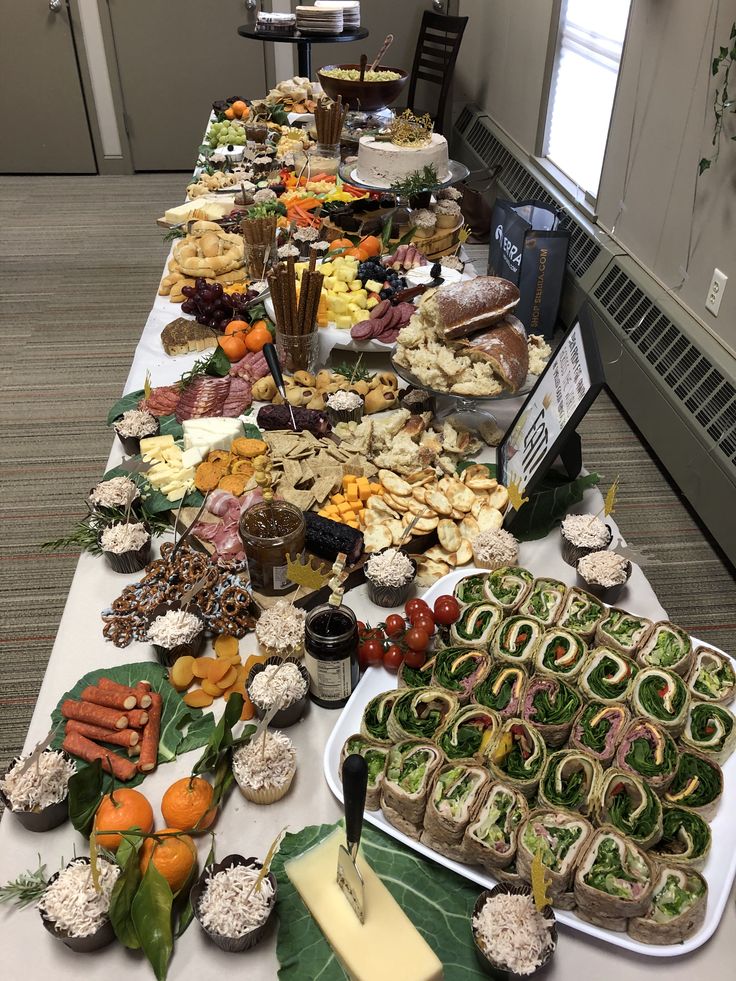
(476,625)
(614,878)
(628,803)
(502,689)
(459,669)
(410,770)
(667,646)
(622,631)
(607,676)
(710,729)
(677,908)
(455,796)
(468,732)
(698,784)
(662,696)
(375,754)
(686,838)
(490,839)
(516,639)
(508,586)
(420,713)
(569,781)
(560,653)
(581,612)
(470,589)
(598,729)
(374,724)
(517,756)
(544,600)
(649,751)
(552,706)
(560,839)
(712,677)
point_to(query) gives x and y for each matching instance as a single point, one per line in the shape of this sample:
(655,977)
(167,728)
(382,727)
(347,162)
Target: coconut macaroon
(265,767)
(231,905)
(35,786)
(73,903)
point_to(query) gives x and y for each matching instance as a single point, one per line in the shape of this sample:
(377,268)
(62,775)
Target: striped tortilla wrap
(607,676)
(490,839)
(581,612)
(712,677)
(598,729)
(662,696)
(375,754)
(508,586)
(648,750)
(453,801)
(374,724)
(410,769)
(628,803)
(517,756)
(516,639)
(570,781)
(677,908)
(686,838)
(614,877)
(698,784)
(667,646)
(544,600)
(420,713)
(560,837)
(622,631)
(459,669)
(468,732)
(560,653)
(502,689)
(476,625)
(552,706)
(710,729)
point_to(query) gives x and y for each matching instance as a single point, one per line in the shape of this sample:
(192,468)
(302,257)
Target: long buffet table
(28,950)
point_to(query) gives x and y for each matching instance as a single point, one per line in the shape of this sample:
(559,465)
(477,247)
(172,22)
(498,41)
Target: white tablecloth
(29,952)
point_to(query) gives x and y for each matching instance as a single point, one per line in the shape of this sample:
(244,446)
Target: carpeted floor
(80,260)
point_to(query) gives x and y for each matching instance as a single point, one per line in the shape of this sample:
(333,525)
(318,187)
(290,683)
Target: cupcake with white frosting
(264,768)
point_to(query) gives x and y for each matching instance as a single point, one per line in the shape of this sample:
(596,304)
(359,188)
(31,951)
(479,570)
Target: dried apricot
(182,672)
(226,645)
(198,699)
(228,680)
(200,668)
(211,688)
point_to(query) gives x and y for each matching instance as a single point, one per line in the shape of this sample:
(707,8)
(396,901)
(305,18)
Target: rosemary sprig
(425,179)
(86,532)
(82,536)
(353,372)
(26,889)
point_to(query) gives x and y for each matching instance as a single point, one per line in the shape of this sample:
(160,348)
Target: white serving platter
(719,870)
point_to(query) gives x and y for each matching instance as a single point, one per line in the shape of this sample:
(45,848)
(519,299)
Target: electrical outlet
(715,292)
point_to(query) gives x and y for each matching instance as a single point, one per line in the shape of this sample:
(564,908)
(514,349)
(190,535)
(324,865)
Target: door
(43,118)
(174,60)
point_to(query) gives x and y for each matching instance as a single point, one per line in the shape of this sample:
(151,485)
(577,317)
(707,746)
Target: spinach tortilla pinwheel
(622,631)
(502,689)
(667,646)
(420,713)
(648,750)
(410,770)
(560,653)
(676,910)
(598,729)
(470,589)
(569,781)
(374,724)
(711,729)
(686,838)
(552,706)
(698,784)
(581,612)
(476,625)
(712,677)
(516,639)
(614,878)
(490,840)
(459,670)
(560,839)
(508,586)
(416,677)
(607,676)
(662,696)
(629,804)
(544,600)
(517,756)
(453,800)
(375,754)
(468,732)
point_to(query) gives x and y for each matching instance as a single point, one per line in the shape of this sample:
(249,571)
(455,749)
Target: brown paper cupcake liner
(489,964)
(290,714)
(232,945)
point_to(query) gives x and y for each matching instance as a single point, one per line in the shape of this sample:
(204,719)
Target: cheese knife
(354,786)
(272,360)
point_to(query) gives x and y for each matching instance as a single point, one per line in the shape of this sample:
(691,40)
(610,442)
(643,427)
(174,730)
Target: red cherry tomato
(361,628)
(446,610)
(415,604)
(417,639)
(415,659)
(393,657)
(371,651)
(425,621)
(395,625)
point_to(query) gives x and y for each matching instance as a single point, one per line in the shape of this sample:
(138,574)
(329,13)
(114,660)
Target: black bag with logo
(530,249)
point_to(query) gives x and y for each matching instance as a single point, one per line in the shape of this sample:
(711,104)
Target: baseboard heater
(669,374)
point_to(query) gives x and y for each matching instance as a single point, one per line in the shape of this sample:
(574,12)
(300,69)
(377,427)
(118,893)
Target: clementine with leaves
(187,804)
(119,811)
(173,856)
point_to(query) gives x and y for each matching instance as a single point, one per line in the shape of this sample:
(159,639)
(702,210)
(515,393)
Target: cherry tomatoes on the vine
(393,658)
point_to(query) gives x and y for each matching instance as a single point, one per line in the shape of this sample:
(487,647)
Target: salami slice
(363,330)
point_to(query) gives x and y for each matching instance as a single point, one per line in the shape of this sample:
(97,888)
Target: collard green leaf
(155,501)
(85,793)
(123,892)
(438,903)
(549,503)
(168,426)
(464,464)
(251,430)
(125,404)
(221,737)
(150,913)
(175,716)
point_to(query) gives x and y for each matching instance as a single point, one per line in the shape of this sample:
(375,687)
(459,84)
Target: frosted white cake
(382,164)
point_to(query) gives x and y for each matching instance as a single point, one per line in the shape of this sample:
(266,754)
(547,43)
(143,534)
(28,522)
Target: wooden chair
(437,49)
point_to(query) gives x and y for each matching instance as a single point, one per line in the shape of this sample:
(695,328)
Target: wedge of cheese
(200,209)
(387,945)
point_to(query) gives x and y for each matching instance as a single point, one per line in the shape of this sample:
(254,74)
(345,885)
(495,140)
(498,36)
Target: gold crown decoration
(305,575)
(410,130)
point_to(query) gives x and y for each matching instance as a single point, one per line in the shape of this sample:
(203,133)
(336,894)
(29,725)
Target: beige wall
(661,127)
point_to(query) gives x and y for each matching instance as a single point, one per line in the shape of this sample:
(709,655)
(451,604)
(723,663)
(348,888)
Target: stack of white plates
(319,20)
(350,11)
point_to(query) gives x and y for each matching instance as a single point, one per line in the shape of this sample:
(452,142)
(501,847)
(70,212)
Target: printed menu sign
(564,393)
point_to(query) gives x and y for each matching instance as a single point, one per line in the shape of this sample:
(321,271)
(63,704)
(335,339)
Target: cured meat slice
(162,401)
(252,366)
(205,396)
(239,398)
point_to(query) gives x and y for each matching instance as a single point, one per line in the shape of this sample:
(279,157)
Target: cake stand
(458,172)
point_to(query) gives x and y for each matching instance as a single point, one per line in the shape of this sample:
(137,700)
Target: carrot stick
(111,699)
(96,715)
(143,699)
(119,737)
(78,745)
(149,743)
(137,718)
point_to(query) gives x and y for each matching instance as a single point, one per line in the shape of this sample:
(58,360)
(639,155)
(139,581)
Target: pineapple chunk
(373,286)
(340,305)
(356,285)
(340,286)
(371,302)
(344,321)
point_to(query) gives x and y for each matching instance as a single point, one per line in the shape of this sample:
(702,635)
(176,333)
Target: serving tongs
(354,786)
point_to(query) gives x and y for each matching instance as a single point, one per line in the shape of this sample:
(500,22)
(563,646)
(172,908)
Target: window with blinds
(587,59)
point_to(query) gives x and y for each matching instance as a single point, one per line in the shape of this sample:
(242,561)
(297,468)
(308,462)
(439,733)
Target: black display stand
(303,42)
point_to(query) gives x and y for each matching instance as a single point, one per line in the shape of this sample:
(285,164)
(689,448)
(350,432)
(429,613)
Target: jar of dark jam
(331,654)
(271,533)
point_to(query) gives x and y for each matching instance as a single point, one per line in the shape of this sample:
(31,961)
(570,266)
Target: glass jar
(324,158)
(331,654)
(271,533)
